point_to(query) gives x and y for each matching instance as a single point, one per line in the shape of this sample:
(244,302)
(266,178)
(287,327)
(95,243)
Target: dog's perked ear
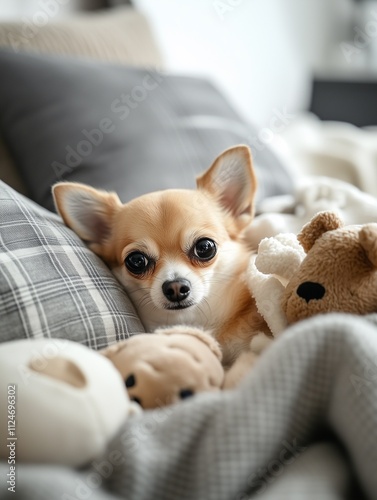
(87,211)
(231,179)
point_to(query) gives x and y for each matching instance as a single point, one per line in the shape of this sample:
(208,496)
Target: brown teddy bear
(338,273)
(168,366)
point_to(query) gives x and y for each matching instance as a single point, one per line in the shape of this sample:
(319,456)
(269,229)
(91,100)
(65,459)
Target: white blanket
(335,165)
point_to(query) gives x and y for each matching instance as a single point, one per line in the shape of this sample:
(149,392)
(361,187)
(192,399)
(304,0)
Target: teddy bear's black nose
(311,291)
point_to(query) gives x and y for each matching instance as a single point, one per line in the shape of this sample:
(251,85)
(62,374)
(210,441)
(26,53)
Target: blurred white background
(262,54)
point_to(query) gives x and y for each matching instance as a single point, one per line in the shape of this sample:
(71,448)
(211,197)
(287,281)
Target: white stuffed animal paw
(278,259)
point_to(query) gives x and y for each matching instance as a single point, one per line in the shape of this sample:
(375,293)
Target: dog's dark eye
(137,262)
(205,249)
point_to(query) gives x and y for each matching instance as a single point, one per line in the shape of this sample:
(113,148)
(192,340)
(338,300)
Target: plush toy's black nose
(311,291)
(176,290)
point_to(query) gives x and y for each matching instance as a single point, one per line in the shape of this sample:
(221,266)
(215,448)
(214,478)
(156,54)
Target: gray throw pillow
(118,128)
(51,284)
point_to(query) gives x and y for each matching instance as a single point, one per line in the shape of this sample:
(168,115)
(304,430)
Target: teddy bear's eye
(130,381)
(137,400)
(186,393)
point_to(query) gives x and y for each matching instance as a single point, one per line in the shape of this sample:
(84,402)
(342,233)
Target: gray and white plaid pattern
(303,425)
(51,284)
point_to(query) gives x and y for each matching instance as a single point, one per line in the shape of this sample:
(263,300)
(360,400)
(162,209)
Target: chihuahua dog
(180,254)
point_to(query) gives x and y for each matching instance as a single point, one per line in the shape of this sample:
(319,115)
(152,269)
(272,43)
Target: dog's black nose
(311,291)
(176,290)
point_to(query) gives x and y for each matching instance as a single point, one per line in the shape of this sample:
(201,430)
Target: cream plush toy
(65,402)
(168,366)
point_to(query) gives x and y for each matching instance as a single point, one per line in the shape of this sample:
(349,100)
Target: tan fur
(165,225)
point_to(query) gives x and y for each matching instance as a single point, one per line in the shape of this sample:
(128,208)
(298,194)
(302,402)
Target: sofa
(87,99)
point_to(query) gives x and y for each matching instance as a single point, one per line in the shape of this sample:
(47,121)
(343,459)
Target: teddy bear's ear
(203,335)
(206,338)
(368,240)
(320,224)
(109,352)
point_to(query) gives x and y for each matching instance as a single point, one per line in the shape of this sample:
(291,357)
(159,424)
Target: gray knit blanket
(303,425)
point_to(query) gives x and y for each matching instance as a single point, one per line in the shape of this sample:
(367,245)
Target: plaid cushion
(51,284)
